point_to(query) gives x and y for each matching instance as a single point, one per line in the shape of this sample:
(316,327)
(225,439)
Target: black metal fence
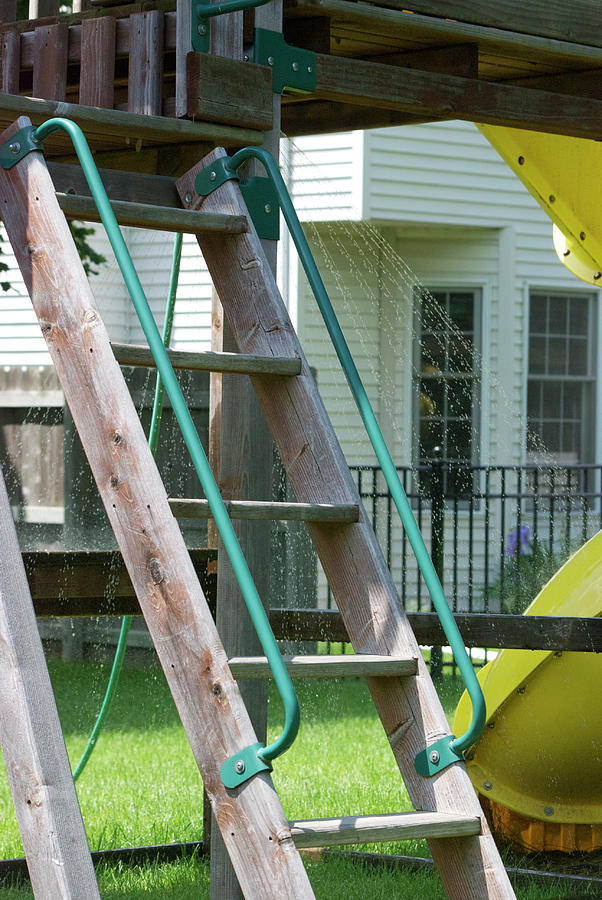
(496,533)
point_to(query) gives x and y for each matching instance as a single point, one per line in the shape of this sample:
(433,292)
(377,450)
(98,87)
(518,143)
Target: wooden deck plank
(50,62)
(33,747)
(145,75)
(362,585)
(393,827)
(191,653)
(11,61)
(351,665)
(97,75)
(209,361)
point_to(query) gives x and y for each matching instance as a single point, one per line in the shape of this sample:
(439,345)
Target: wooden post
(50,821)
(251,817)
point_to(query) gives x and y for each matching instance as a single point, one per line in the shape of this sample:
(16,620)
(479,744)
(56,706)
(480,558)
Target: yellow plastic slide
(538,764)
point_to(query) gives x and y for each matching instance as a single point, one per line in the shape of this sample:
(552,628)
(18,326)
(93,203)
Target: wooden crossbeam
(208,360)
(333,513)
(392,827)
(350,665)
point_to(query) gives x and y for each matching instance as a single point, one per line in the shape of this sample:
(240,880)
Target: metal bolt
(520,690)
(187,198)
(521,160)
(487,785)
(552,198)
(239,766)
(434,757)
(15,148)
(309,69)
(212,176)
(597,275)
(558,654)
(270,60)
(548,810)
(202,29)
(491,725)
(295,66)
(246,57)
(582,235)
(268,208)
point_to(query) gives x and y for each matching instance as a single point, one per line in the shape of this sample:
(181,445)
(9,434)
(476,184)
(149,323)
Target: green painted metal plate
(436,757)
(292,67)
(243,766)
(19,145)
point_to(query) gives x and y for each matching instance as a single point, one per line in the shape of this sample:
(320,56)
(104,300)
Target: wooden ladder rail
(410,710)
(255,830)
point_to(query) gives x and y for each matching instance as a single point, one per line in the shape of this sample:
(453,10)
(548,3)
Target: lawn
(141,785)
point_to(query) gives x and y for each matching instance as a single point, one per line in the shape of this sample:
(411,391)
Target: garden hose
(153,440)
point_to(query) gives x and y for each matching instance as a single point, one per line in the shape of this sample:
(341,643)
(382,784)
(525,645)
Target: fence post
(437,527)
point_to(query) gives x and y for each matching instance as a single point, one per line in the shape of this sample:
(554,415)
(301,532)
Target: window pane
(434,315)
(579,315)
(431,397)
(551,436)
(578,362)
(431,436)
(551,399)
(572,400)
(557,361)
(433,353)
(459,440)
(537,355)
(534,398)
(461,352)
(461,310)
(538,315)
(459,398)
(558,315)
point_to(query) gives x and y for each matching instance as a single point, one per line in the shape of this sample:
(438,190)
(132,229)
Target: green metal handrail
(208,10)
(257,757)
(449,749)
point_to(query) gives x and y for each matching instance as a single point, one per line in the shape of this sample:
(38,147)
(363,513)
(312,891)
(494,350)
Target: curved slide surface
(538,763)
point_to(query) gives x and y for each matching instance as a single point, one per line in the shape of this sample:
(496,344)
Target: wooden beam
(580,84)
(144,215)
(478,629)
(11,61)
(97,73)
(133,187)
(393,827)
(39,774)
(459,59)
(145,75)
(578,21)
(327,117)
(209,361)
(176,612)
(419,93)
(228,91)
(350,665)
(260,512)
(50,62)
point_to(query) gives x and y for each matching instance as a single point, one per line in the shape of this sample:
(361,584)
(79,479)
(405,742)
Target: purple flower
(519,541)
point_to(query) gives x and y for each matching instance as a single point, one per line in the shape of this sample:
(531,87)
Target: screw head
(187,198)
(309,69)
(270,60)
(212,176)
(239,766)
(246,57)
(487,785)
(548,810)
(268,208)
(434,757)
(202,29)
(295,66)
(15,147)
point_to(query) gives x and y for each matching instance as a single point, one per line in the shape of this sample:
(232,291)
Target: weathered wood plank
(48,813)
(439,95)
(477,629)
(209,361)
(328,116)
(225,90)
(578,21)
(393,827)
(351,665)
(263,511)
(131,187)
(318,473)
(144,215)
(50,62)
(97,74)
(11,61)
(8,10)
(146,63)
(177,615)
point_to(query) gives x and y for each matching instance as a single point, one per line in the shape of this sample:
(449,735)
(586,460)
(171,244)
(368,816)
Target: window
(561,379)
(447,383)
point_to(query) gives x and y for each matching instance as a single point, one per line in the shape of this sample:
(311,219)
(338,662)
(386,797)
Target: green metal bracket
(259,194)
(19,145)
(437,757)
(292,67)
(202,13)
(243,766)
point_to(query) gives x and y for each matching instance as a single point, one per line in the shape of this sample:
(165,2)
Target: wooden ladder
(260,840)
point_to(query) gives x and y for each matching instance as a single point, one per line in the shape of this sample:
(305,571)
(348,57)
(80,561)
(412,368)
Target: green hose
(153,440)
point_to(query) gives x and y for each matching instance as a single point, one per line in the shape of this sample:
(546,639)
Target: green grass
(142,785)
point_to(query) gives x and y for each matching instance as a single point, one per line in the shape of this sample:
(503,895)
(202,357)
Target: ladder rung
(346,665)
(330,513)
(396,827)
(158,218)
(209,361)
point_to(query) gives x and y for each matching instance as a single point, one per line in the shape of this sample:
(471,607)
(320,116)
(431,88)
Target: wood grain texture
(217,725)
(11,61)
(350,665)
(145,215)
(420,93)
(477,629)
(39,774)
(208,361)
(145,74)
(578,21)
(50,62)
(8,10)
(393,827)
(97,75)
(260,511)
(229,91)
(318,473)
